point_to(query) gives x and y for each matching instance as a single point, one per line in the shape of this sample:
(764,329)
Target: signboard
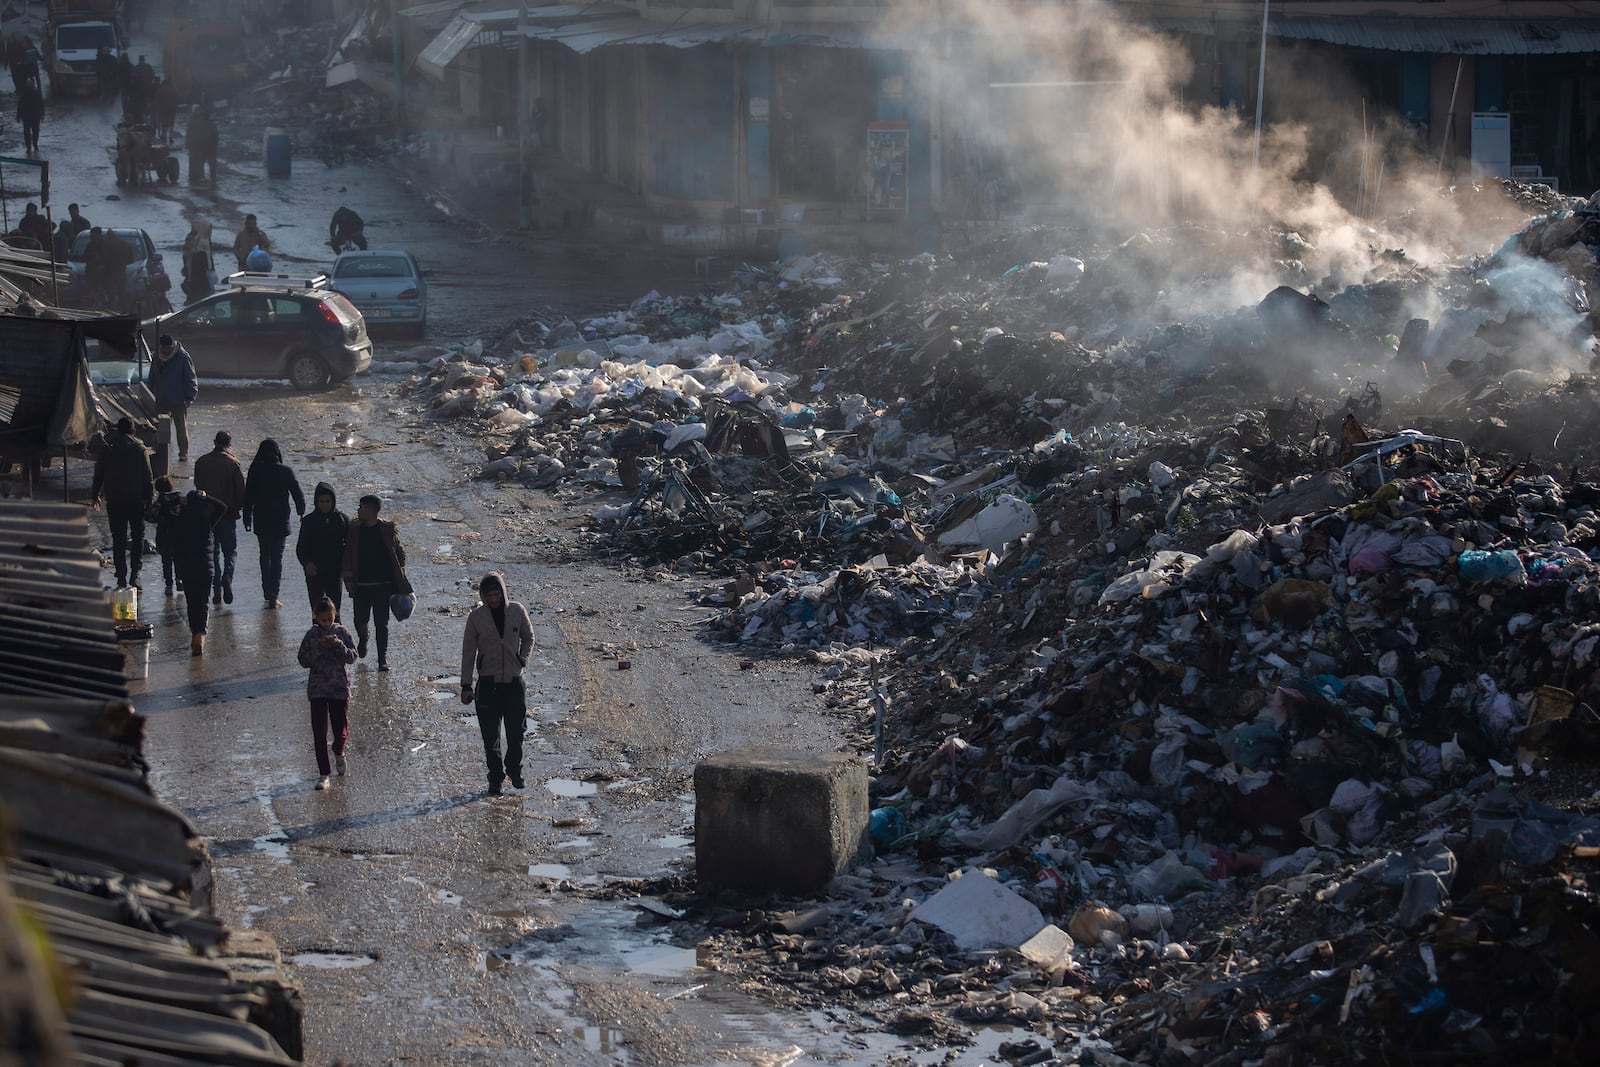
(888,157)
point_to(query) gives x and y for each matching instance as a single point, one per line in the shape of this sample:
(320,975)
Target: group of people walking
(196,536)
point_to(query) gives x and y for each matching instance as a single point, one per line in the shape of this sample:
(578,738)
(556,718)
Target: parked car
(272,326)
(386,285)
(147,281)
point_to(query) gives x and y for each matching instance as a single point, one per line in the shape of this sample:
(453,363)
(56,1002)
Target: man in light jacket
(495,647)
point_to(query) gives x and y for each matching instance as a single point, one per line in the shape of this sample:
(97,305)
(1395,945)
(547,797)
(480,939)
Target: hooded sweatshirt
(496,649)
(322,535)
(268,488)
(122,472)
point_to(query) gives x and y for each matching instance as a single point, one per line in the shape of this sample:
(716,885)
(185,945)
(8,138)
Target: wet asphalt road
(426,922)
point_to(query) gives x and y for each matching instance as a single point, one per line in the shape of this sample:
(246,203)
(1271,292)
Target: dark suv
(272,326)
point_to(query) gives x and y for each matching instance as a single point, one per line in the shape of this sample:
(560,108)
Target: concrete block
(772,820)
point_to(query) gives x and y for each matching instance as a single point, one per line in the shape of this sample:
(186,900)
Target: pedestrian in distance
(175,385)
(201,138)
(30,113)
(105,73)
(198,263)
(118,257)
(374,570)
(123,483)
(494,649)
(327,650)
(36,227)
(164,515)
(164,109)
(320,547)
(192,555)
(249,239)
(219,475)
(269,489)
(76,218)
(63,241)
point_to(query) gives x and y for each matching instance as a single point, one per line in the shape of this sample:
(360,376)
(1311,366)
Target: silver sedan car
(387,286)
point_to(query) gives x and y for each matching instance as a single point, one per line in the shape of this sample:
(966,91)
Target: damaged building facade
(763,123)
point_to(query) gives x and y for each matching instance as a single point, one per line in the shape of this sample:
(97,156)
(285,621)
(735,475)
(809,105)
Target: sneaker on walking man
(122,474)
(219,475)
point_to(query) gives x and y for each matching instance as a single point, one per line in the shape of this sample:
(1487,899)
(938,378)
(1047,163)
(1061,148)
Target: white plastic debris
(978,913)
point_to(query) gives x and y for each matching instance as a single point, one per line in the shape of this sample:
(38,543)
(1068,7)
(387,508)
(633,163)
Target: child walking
(327,650)
(164,513)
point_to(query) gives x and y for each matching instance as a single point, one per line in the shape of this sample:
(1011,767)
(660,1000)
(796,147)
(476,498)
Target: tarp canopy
(44,373)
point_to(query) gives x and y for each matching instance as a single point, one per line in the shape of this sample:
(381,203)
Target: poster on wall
(887,159)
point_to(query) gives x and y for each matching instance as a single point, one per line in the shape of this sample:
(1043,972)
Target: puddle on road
(330,961)
(571,787)
(672,841)
(559,872)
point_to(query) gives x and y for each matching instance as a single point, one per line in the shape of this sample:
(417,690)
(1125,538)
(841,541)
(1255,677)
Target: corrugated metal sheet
(586,35)
(1443,36)
(116,881)
(1470,37)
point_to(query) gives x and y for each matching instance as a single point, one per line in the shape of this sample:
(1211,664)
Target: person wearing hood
(198,262)
(192,559)
(494,648)
(320,548)
(268,490)
(219,475)
(374,570)
(175,385)
(122,473)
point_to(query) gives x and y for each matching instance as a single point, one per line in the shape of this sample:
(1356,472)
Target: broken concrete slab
(772,820)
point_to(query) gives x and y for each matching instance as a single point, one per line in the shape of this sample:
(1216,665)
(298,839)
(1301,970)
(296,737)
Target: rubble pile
(1258,734)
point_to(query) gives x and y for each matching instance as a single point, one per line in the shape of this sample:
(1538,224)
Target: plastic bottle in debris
(125,604)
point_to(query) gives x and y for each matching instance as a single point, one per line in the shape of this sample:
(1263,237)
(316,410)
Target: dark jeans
(127,526)
(30,134)
(224,550)
(271,563)
(501,702)
(168,567)
(196,587)
(324,712)
(373,600)
(326,584)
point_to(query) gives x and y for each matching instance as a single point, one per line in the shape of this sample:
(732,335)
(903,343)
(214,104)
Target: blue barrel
(276,146)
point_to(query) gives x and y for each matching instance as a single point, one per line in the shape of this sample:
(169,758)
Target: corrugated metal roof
(583,36)
(1469,37)
(1443,36)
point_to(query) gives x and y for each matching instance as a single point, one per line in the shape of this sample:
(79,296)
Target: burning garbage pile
(1254,732)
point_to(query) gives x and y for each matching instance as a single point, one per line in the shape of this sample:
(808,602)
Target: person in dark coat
(268,490)
(30,113)
(106,74)
(191,557)
(165,515)
(63,241)
(175,385)
(219,475)
(201,137)
(320,548)
(122,474)
(36,226)
(77,219)
(374,570)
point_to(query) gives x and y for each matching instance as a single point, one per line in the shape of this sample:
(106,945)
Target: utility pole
(396,53)
(524,172)
(1261,99)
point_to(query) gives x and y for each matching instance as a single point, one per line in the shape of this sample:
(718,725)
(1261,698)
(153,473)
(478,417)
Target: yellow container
(125,604)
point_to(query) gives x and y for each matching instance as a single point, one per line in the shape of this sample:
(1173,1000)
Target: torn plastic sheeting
(1165,568)
(1025,815)
(980,913)
(1002,522)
